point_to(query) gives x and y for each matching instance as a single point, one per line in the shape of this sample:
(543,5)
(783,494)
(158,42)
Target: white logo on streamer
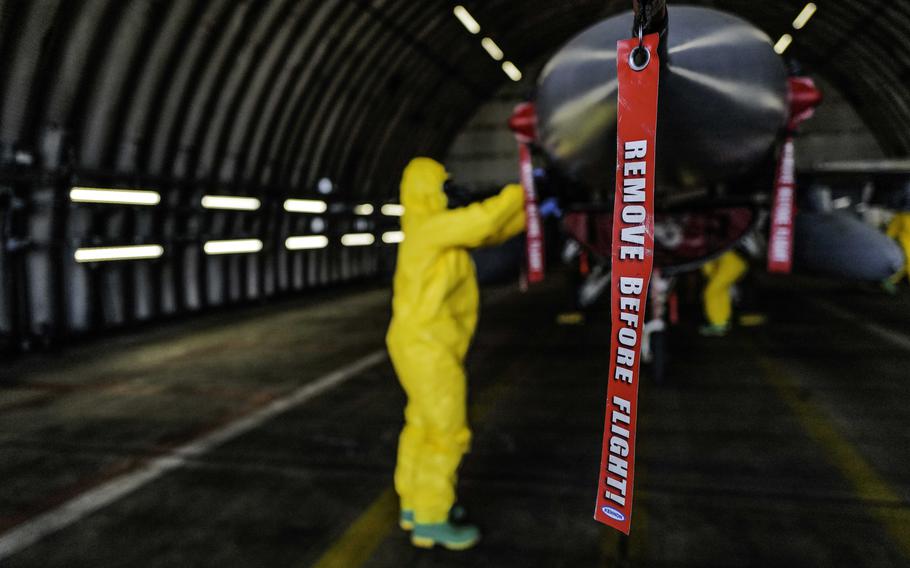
(613,513)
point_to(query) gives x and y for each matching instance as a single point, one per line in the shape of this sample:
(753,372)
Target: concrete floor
(786,445)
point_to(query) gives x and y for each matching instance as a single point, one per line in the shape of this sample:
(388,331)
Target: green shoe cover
(447,535)
(406,519)
(457,514)
(714,330)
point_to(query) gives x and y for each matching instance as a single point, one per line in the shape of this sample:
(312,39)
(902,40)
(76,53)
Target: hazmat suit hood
(422,191)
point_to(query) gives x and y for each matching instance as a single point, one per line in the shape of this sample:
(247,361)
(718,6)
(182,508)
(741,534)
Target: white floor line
(894,337)
(87,503)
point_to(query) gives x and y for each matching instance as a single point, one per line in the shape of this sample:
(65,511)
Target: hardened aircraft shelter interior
(199,226)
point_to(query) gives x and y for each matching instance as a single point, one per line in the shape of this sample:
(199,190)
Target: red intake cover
(804,97)
(524,123)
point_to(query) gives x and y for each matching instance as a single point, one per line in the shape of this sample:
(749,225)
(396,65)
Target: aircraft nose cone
(723,100)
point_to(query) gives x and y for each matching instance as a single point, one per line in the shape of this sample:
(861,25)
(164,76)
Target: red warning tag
(633,258)
(524,124)
(780,241)
(534,228)
(804,97)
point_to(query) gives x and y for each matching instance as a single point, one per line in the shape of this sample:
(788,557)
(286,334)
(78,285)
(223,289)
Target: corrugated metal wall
(220,97)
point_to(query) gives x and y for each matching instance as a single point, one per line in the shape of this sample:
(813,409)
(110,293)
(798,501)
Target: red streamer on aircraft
(524,124)
(804,97)
(633,260)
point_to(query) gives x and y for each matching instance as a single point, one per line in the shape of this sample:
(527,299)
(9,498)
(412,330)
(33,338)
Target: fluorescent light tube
(803,18)
(231,203)
(783,43)
(493,49)
(357,239)
(305,206)
(306,242)
(234,246)
(104,254)
(392,237)
(114,196)
(392,210)
(511,71)
(466,19)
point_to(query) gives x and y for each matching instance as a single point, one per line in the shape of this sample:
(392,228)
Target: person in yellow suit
(899,229)
(722,273)
(434,312)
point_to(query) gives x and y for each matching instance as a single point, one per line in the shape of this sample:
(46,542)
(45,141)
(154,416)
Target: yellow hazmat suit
(434,312)
(722,274)
(899,229)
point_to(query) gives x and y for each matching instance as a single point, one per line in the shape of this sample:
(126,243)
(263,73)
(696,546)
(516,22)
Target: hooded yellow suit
(434,312)
(722,274)
(899,229)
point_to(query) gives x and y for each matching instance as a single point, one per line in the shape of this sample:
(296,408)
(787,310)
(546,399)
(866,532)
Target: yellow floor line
(361,539)
(884,502)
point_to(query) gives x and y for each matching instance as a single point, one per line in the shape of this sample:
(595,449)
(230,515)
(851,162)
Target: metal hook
(641,47)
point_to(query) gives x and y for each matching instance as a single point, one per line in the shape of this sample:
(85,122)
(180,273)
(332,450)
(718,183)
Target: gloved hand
(550,208)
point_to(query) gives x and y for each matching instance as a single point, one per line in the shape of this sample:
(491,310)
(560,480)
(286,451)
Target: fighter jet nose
(723,99)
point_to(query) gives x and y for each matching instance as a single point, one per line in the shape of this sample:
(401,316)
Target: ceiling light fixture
(114,196)
(466,19)
(803,18)
(783,43)
(305,206)
(234,246)
(493,49)
(104,254)
(392,237)
(307,242)
(357,239)
(325,186)
(511,71)
(392,210)
(231,203)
